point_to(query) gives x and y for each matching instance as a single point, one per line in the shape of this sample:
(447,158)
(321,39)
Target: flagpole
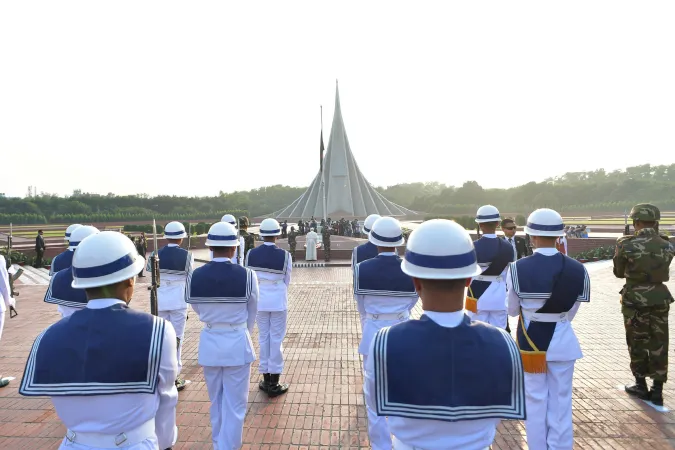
(323,179)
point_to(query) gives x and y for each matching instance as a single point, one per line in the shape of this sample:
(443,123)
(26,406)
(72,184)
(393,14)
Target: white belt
(488,278)
(398,445)
(127,438)
(264,281)
(390,316)
(545,317)
(226,326)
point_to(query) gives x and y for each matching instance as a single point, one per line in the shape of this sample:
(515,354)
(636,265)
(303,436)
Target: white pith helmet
(440,250)
(70,229)
(229,218)
(368,223)
(386,232)
(174,230)
(103,259)
(270,227)
(222,234)
(545,222)
(487,213)
(79,234)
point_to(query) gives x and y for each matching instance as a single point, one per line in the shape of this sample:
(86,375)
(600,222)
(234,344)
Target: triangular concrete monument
(347,192)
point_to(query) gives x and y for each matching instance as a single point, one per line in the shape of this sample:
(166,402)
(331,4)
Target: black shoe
(3,382)
(639,389)
(276,389)
(180,384)
(264,384)
(656,394)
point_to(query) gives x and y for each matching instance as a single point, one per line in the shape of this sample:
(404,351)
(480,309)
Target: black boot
(180,383)
(3,382)
(656,394)
(639,389)
(264,384)
(276,389)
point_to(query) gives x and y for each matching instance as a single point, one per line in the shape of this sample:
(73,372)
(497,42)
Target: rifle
(154,271)
(189,234)
(12,310)
(239,251)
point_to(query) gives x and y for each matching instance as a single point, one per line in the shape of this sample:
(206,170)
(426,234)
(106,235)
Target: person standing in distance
(518,243)
(60,291)
(470,373)
(545,291)
(239,250)
(387,295)
(39,249)
(225,295)
(273,267)
(643,259)
(64,259)
(108,369)
(487,293)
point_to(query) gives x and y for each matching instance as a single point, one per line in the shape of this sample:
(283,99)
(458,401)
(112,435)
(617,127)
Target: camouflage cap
(645,211)
(243,221)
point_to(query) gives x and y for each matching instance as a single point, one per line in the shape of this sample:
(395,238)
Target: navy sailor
(545,291)
(65,259)
(273,266)
(487,293)
(444,381)
(239,254)
(108,369)
(387,295)
(60,291)
(362,253)
(225,296)
(174,264)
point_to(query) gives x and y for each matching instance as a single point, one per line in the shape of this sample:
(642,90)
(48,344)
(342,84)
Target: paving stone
(324,408)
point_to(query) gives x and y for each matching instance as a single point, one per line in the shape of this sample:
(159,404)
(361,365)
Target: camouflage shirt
(291,237)
(643,259)
(325,235)
(249,241)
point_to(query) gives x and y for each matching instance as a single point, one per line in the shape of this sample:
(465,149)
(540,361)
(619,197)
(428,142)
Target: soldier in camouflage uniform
(249,239)
(325,236)
(643,259)
(292,242)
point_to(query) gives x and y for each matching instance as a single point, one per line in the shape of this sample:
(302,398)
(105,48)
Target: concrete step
(33,276)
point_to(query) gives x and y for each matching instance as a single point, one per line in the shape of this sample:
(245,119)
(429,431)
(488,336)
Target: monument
(341,189)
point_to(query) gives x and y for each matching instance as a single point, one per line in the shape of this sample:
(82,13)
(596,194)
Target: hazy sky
(196,97)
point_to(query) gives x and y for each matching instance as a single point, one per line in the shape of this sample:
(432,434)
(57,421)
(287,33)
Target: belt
(545,317)
(226,326)
(398,445)
(126,439)
(390,316)
(264,281)
(488,278)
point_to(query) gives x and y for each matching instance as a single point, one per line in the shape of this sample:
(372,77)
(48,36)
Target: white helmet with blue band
(79,234)
(270,227)
(545,222)
(369,222)
(440,250)
(103,259)
(70,229)
(229,218)
(222,234)
(487,213)
(174,230)
(386,232)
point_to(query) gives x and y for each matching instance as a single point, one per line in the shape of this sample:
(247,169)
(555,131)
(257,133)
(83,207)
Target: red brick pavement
(324,408)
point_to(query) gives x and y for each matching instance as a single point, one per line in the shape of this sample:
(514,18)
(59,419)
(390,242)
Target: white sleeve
(51,266)
(5,292)
(413,302)
(360,305)
(287,277)
(573,312)
(252,305)
(353,258)
(513,301)
(369,378)
(242,247)
(165,419)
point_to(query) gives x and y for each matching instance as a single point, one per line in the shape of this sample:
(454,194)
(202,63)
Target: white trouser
(177,318)
(548,399)
(496,318)
(271,333)
(228,392)
(67,311)
(362,313)
(2,322)
(378,428)
(398,445)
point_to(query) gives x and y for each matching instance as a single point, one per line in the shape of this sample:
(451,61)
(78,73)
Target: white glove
(12,302)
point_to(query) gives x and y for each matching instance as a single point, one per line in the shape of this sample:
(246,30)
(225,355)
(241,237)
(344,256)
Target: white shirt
(5,292)
(434,434)
(512,241)
(274,288)
(114,414)
(227,347)
(171,292)
(564,345)
(380,304)
(494,297)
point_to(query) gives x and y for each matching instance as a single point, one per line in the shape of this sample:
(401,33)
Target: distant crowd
(342,227)
(578,231)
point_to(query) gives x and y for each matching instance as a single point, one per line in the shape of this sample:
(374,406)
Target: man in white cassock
(310,252)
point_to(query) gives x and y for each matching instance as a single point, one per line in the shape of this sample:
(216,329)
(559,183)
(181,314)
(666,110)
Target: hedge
(28,219)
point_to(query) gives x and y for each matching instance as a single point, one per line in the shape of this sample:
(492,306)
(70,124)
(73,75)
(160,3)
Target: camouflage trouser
(326,252)
(647,339)
(292,250)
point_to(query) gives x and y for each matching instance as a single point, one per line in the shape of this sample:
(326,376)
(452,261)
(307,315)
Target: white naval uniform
(226,353)
(148,420)
(492,304)
(549,395)
(369,251)
(171,304)
(5,293)
(60,292)
(381,311)
(272,316)
(427,434)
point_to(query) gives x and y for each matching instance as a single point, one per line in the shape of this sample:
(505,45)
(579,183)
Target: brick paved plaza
(324,407)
